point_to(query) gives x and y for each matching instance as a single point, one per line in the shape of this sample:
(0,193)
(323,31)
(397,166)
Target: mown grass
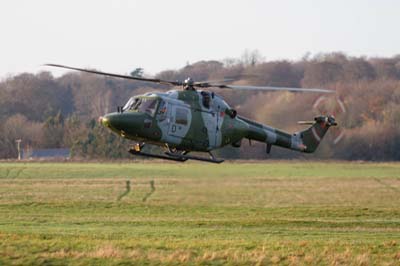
(289,213)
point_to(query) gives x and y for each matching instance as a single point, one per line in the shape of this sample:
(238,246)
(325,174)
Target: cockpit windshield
(128,105)
(144,105)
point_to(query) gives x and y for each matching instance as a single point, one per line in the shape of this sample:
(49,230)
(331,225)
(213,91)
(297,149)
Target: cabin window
(181,116)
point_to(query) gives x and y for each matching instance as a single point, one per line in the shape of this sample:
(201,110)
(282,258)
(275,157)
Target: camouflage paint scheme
(202,121)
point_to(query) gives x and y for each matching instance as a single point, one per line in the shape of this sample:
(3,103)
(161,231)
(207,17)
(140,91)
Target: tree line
(49,112)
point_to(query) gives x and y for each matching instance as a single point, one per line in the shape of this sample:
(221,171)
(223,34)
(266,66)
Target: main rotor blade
(268,88)
(306,122)
(207,83)
(160,81)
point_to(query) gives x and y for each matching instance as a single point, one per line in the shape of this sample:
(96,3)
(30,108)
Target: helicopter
(194,119)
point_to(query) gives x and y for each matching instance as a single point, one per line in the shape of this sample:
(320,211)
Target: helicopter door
(180,121)
(210,128)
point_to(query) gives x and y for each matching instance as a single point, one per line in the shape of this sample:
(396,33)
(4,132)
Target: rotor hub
(188,82)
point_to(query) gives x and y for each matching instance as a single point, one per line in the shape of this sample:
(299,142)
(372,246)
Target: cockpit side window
(144,105)
(148,105)
(162,107)
(162,111)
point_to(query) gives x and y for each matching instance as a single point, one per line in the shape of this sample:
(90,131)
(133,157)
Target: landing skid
(173,156)
(212,159)
(159,156)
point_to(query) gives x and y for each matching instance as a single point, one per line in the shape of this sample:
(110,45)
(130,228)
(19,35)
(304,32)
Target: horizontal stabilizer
(330,120)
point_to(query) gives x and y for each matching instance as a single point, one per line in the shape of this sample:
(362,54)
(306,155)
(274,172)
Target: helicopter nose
(125,122)
(111,120)
(104,120)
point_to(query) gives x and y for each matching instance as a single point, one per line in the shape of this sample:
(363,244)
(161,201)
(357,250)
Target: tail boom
(305,141)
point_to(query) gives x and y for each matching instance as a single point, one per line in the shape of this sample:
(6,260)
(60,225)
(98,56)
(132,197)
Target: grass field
(289,213)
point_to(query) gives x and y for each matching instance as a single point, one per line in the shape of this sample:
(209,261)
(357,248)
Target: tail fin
(312,136)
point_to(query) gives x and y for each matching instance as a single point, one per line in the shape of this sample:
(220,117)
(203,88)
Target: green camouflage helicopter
(195,120)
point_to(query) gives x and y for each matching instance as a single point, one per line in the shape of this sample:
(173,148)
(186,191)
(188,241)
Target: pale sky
(120,35)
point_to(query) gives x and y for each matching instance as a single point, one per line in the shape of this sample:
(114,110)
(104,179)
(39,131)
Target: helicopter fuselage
(191,120)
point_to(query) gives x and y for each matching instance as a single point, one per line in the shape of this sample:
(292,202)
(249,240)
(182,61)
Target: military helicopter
(196,120)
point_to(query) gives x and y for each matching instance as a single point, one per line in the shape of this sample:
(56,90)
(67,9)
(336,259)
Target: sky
(121,35)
